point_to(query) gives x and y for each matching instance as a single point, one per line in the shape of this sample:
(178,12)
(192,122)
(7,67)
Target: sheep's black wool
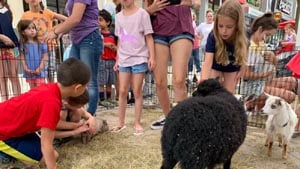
(204,130)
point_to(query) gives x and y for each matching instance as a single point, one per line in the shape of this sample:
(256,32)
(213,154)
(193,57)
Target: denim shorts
(140,68)
(167,40)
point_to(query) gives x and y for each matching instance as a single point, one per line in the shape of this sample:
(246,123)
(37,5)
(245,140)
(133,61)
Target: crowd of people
(119,46)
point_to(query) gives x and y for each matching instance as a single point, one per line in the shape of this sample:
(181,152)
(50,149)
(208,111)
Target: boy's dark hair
(106,16)
(73,71)
(79,100)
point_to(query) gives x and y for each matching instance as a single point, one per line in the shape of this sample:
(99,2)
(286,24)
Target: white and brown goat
(281,122)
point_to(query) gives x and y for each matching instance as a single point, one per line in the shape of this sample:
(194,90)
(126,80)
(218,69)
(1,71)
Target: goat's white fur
(281,122)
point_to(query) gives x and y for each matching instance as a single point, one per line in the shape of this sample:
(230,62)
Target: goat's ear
(267,95)
(278,102)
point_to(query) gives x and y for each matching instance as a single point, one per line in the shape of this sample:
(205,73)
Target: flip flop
(138,132)
(117,129)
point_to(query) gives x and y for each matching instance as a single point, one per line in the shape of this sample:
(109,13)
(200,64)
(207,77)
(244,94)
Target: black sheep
(204,130)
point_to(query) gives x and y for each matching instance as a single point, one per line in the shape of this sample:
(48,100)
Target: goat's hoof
(284,156)
(269,154)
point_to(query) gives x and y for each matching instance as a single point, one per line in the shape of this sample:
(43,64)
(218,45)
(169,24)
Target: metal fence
(150,98)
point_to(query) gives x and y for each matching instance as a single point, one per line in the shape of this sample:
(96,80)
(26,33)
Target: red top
(173,20)
(108,53)
(27,113)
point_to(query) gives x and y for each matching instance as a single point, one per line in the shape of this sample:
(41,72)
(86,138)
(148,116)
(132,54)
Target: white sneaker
(158,124)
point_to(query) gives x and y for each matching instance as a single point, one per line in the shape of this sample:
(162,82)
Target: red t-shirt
(27,113)
(108,53)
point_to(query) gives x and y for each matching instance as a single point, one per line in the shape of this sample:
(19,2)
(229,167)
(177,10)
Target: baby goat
(281,122)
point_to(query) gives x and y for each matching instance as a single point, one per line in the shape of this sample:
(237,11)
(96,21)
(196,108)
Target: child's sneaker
(159,124)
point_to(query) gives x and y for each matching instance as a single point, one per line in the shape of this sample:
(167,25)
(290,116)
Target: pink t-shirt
(131,31)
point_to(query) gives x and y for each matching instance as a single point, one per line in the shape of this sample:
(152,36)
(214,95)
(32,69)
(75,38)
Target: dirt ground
(125,151)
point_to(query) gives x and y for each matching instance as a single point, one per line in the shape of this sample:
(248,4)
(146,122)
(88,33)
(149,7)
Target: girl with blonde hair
(226,47)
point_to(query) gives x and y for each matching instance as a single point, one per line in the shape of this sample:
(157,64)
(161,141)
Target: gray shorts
(106,74)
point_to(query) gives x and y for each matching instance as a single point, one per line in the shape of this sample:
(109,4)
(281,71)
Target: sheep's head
(208,87)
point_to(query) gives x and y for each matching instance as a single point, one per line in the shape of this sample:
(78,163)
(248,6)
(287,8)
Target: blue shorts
(140,68)
(168,40)
(25,148)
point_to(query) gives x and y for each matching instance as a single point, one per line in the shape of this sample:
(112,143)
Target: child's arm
(150,44)
(206,66)
(43,61)
(24,65)
(249,74)
(60,17)
(47,137)
(69,133)
(117,58)
(67,125)
(90,120)
(6,40)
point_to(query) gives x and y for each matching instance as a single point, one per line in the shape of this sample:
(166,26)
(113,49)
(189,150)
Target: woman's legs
(160,75)
(137,87)
(180,51)
(89,51)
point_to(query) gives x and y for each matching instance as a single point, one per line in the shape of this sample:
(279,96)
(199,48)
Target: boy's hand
(81,129)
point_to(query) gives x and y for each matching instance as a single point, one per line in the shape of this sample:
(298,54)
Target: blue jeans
(89,51)
(194,59)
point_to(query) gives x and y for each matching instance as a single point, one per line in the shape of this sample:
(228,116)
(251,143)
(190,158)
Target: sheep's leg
(227,164)
(168,164)
(212,166)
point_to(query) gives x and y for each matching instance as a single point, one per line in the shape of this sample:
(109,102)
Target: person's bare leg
(3,80)
(181,51)
(160,75)
(137,87)
(230,81)
(123,92)
(13,76)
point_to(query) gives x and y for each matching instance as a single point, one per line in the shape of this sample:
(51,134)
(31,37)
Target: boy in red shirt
(39,109)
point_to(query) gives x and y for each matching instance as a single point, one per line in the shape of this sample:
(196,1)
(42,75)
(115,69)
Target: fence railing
(277,79)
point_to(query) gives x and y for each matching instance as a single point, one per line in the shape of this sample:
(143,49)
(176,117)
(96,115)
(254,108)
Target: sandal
(117,129)
(138,131)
